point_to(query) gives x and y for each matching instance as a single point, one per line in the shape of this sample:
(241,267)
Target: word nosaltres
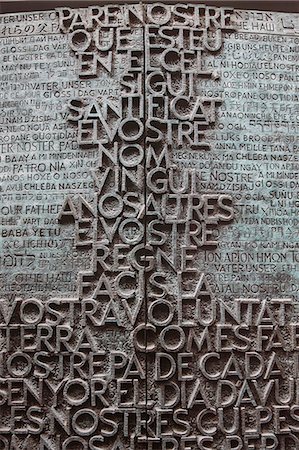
(203,24)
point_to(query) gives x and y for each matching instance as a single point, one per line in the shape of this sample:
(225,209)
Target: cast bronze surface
(149,228)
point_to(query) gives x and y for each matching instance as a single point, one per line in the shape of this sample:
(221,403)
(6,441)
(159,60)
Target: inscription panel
(149,217)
